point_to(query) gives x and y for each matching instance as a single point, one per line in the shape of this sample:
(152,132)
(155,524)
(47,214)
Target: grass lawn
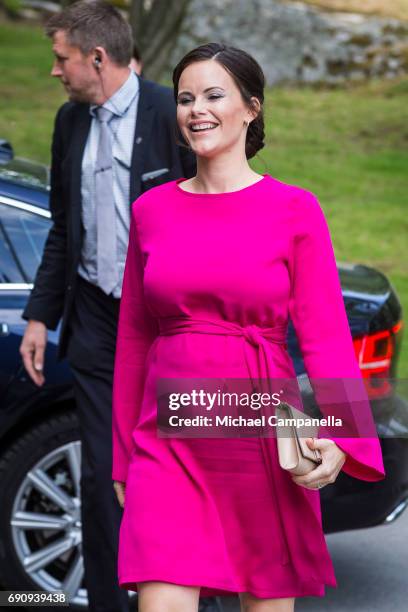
(349,146)
(382,8)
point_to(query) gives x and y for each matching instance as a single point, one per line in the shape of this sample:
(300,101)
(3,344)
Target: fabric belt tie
(259,337)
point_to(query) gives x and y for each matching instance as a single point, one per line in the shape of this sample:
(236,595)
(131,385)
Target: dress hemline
(210,588)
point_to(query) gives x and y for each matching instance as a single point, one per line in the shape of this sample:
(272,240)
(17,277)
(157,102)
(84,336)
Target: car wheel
(40,511)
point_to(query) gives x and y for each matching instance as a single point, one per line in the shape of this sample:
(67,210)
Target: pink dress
(220,513)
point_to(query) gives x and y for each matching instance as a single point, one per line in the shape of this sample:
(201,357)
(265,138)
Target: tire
(46,459)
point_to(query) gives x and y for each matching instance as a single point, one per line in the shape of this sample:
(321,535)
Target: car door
(23,231)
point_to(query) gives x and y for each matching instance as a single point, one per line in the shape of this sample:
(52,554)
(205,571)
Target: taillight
(374,353)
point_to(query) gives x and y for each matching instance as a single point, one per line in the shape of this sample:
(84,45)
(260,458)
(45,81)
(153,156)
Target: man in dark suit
(113,140)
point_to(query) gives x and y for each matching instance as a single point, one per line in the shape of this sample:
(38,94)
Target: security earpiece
(97,62)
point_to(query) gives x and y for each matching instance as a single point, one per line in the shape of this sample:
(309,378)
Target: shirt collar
(119,103)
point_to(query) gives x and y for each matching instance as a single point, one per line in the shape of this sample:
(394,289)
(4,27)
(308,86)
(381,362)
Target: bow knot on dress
(253,334)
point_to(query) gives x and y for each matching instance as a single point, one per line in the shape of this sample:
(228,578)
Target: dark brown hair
(94,23)
(248,76)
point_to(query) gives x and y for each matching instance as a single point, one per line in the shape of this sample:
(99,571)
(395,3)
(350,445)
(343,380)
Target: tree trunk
(156,26)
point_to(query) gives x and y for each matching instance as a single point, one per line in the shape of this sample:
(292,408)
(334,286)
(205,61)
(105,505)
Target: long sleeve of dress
(318,314)
(136,331)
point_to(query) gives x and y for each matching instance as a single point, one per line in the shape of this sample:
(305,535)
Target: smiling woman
(219,108)
(216,266)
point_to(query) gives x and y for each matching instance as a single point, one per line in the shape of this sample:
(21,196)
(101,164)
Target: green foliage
(347,145)
(29,96)
(12,7)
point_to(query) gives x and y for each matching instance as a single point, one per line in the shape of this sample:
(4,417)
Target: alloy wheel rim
(46,523)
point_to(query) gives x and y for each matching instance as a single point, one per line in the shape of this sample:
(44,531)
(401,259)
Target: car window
(22,238)
(9,272)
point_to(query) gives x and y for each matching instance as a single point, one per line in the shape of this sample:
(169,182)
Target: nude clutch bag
(294,454)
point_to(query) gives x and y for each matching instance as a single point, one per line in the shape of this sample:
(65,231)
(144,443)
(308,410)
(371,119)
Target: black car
(40,527)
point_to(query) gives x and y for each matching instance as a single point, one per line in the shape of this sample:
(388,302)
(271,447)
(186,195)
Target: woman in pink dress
(216,266)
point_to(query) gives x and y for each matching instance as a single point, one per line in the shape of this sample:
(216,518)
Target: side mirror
(6,151)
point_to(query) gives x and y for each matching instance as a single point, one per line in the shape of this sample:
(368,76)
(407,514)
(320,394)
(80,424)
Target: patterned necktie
(107,265)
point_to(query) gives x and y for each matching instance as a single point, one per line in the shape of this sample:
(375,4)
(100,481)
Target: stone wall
(300,43)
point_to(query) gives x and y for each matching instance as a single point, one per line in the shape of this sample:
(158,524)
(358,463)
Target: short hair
(94,23)
(248,76)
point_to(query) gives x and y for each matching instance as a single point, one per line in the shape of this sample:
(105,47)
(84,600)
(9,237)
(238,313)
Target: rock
(296,42)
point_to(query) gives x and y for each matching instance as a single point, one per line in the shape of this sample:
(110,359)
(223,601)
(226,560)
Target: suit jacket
(154,148)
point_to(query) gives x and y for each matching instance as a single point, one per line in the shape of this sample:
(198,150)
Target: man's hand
(120,488)
(333,459)
(32,350)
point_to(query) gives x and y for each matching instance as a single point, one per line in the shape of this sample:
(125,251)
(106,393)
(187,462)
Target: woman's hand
(333,459)
(120,488)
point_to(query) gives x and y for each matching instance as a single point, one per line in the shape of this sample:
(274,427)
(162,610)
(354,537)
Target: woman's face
(210,109)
